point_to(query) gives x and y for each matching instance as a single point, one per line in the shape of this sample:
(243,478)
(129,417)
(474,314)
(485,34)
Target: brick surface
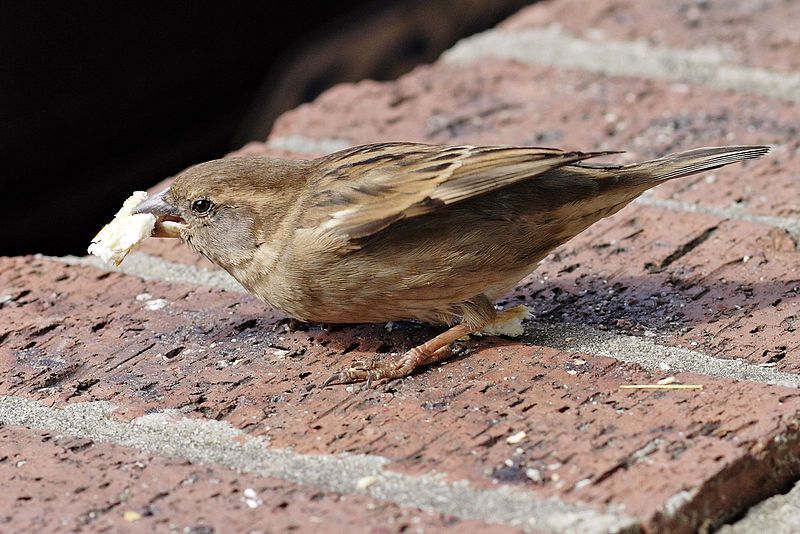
(77,334)
(174,250)
(742,31)
(61,484)
(723,287)
(724,282)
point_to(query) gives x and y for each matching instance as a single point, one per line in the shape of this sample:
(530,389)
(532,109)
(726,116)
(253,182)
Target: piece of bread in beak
(124,232)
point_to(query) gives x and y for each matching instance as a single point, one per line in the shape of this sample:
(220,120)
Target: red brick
(734,295)
(62,484)
(756,34)
(452,419)
(72,334)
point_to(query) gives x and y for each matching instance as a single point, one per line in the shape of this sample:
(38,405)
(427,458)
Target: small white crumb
(516,438)
(667,380)
(280,353)
(156,304)
(365,482)
(582,483)
(143,296)
(131,516)
(124,232)
(251,499)
(533,474)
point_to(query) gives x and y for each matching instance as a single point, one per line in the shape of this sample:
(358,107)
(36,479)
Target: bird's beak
(168,219)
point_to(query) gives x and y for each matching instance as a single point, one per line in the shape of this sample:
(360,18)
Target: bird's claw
(367,371)
(335,378)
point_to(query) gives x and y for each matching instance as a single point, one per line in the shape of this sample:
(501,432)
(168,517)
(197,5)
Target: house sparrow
(396,231)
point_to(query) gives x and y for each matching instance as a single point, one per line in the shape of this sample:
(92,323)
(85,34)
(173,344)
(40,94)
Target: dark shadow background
(99,99)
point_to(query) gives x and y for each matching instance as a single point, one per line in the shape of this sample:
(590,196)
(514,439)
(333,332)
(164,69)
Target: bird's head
(226,208)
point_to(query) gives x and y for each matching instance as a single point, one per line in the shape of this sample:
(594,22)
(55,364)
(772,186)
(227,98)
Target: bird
(403,231)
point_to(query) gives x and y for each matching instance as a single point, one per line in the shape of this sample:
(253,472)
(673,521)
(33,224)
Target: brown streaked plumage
(397,231)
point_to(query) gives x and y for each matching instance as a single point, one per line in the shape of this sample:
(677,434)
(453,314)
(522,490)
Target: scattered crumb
(130,515)
(156,304)
(533,474)
(251,499)
(582,484)
(516,438)
(365,482)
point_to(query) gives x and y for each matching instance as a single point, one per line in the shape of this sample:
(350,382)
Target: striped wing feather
(370,187)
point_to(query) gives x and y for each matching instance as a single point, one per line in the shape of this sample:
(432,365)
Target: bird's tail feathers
(690,162)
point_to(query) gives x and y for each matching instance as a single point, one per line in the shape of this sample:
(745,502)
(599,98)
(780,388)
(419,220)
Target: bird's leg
(429,352)
(477,314)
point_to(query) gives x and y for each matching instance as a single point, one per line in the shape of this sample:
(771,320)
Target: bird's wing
(363,190)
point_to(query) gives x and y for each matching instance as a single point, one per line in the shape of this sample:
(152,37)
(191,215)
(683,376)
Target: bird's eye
(202,205)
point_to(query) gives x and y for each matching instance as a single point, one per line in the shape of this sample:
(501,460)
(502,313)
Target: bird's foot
(373,370)
(429,352)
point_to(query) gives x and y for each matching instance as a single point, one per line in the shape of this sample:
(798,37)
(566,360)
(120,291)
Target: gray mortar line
(788,224)
(207,441)
(572,338)
(779,514)
(150,267)
(650,355)
(309,145)
(553,46)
